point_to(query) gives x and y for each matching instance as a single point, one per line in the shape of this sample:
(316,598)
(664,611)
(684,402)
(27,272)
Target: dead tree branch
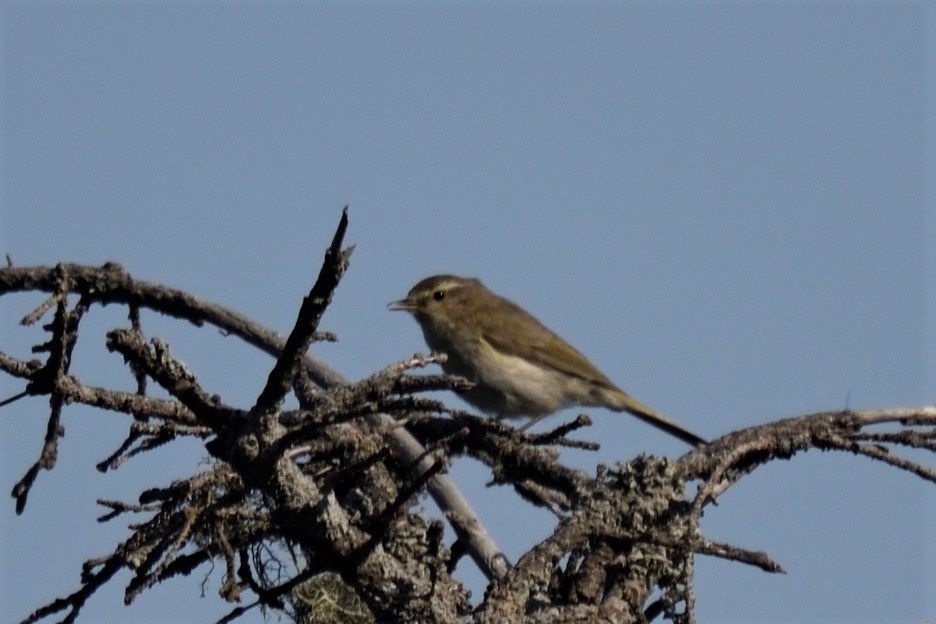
(330,490)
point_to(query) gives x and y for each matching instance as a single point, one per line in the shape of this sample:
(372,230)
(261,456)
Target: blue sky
(728,206)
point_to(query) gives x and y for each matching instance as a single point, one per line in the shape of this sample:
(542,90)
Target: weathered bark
(330,489)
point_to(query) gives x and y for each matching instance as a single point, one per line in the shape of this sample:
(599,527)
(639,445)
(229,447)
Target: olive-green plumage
(519,367)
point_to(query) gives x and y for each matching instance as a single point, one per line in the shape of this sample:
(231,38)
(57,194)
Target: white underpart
(529,389)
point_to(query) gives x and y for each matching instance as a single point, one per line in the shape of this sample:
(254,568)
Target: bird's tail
(625,402)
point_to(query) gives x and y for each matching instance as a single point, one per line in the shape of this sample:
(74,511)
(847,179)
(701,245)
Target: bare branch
(156,361)
(726,551)
(332,487)
(313,306)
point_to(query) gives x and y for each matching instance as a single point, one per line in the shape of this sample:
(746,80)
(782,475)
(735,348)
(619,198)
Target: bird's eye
(438,295)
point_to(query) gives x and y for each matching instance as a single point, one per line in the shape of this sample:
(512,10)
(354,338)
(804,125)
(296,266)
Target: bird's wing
(549,351)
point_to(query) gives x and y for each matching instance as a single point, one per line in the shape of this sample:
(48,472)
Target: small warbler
(517,365)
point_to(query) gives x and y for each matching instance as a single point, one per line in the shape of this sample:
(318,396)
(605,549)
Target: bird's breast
(510,386)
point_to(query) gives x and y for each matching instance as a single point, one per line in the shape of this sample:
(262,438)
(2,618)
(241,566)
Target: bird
(518,366)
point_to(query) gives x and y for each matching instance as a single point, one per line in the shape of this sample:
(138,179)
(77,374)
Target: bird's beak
(403,305)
